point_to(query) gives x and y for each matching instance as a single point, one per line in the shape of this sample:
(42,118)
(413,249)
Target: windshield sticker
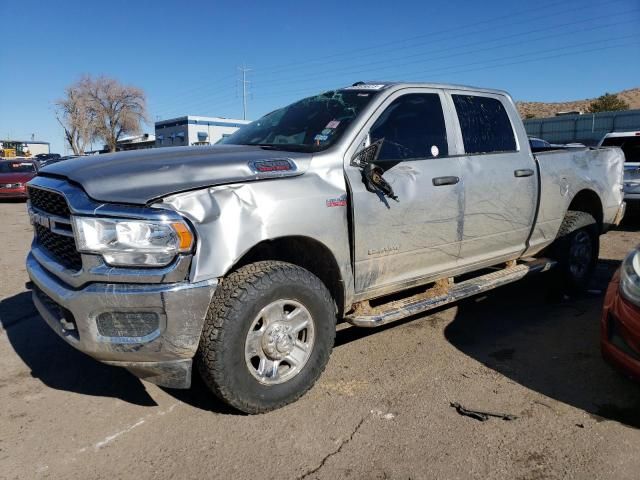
(333,124)
(435,151)
(363,94)
(365,87)
(321,138)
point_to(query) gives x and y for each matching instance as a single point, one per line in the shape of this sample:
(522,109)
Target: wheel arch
(588,201)
(305,252)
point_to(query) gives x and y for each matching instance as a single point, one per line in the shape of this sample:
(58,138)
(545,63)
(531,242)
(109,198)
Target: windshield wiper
(266,146)
(284,147)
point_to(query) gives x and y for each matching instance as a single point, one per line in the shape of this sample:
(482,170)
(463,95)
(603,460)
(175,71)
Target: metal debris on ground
(480,415)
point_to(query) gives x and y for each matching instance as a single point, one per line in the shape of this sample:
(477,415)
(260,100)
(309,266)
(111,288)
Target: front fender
(231,219)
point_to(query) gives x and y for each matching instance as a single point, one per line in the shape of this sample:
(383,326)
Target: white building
(194,130)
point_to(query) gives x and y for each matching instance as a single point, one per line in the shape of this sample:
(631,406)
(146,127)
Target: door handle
(440,181)
(525,172)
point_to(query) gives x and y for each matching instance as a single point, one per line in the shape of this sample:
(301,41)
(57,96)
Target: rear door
(500,179)
(396,243)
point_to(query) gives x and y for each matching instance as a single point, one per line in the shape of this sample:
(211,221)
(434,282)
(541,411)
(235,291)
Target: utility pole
(245,82)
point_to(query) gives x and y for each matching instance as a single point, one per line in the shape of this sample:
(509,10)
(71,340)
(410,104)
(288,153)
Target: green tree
(608,103)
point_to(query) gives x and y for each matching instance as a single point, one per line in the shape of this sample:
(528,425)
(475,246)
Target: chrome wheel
(279,342)
(580,254)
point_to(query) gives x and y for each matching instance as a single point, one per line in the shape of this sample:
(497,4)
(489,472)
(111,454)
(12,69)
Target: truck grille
(60,247)
(50,202)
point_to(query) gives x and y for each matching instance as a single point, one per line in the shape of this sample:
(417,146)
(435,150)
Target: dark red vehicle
(14,175)
(620,334)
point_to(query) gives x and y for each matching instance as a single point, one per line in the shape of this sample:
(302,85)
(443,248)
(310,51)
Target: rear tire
(576,249)
(267,337)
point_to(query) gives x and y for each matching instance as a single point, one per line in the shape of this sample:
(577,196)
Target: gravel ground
(381,409)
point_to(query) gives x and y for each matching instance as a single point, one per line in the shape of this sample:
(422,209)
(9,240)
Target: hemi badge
(275,165)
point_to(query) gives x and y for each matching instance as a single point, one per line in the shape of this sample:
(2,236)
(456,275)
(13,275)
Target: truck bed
(566,172)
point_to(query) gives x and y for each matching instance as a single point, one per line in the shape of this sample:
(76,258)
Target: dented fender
(230,220)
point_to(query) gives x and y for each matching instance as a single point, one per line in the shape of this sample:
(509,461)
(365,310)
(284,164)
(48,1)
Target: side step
(443,292)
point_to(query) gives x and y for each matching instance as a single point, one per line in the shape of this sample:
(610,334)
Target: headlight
(132,242)
(630,277)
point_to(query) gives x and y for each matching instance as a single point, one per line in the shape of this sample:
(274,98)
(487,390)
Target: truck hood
(141,176)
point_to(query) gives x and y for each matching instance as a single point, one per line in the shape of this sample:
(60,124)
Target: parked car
(47,158)
(620,332)
(59,159)
(368,203)
(14,175)
(629,142)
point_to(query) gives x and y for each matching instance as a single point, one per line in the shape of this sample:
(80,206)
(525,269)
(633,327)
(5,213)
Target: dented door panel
(500,187)
(397,243)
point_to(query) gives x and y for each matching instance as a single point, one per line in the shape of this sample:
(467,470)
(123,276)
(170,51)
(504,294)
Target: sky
(186,55)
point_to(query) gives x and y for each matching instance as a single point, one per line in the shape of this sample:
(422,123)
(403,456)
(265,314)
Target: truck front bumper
(153,330)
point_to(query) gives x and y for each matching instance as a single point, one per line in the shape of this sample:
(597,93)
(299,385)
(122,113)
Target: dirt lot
(381,410)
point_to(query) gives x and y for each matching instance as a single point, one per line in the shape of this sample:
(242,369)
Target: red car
(620,327)
(14,174)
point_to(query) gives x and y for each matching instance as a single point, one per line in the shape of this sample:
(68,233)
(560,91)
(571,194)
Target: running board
(443,292)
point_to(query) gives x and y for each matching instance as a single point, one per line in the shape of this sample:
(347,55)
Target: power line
(387,65)
(539,55)
(357,68)
(459,31)
(376,48)
(244,70)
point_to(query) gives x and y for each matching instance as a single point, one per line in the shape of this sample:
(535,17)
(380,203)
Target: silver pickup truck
(365,204)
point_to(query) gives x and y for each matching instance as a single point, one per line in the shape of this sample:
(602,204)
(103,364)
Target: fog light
(127,324)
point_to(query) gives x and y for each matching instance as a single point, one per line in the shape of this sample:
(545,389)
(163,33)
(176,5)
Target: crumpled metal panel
(564,173)
(231,219)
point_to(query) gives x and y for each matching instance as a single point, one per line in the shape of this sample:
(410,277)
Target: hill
(542,109)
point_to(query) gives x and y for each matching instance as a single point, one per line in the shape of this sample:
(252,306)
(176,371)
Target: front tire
(576,249)
(267,337)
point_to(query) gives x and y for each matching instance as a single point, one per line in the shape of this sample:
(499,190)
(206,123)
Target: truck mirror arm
(375,182)
(372,174)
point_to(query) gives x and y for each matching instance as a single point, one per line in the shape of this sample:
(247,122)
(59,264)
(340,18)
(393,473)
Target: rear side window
(485,124)
(629,145)
(412,127)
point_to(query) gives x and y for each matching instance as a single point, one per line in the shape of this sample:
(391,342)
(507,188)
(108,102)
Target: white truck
(629,143)
(368,203)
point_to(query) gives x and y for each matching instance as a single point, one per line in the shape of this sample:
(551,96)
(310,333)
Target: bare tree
(118,109)
(76,115)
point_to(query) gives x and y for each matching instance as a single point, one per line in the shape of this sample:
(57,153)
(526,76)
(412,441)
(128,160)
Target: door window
(485,124)
(412,127)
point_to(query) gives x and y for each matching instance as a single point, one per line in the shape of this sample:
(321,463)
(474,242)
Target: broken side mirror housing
(368,155)
(372,177)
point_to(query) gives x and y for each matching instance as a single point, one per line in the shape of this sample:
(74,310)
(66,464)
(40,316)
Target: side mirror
(367,155)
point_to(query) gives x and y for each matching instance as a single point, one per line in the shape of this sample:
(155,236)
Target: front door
(400,242)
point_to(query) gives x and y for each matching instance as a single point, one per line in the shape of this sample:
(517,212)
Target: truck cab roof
(397,85)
